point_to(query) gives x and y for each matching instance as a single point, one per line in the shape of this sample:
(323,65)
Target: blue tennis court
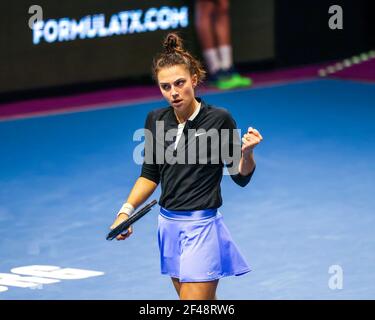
(309,209)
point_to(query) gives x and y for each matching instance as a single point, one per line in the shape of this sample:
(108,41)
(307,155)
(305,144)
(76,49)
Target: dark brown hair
(175,54)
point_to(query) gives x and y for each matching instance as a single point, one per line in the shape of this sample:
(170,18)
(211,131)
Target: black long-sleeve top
(189,184)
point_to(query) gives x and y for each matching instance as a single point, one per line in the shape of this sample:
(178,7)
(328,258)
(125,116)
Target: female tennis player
(196,248)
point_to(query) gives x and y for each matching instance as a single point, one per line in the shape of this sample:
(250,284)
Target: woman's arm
(247,163)
(241,165)
(142,189)
(145,184)
(249,141)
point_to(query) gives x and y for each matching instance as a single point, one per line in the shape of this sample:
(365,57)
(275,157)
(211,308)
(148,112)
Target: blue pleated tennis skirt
(196,246)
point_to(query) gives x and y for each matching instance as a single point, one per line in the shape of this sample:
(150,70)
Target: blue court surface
(305,223)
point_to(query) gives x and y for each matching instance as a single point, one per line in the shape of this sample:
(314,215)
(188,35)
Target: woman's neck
(183,117)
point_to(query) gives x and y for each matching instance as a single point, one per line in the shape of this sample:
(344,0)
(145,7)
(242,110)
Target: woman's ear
(194,80)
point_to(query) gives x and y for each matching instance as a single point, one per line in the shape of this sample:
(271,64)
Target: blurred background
(266,35)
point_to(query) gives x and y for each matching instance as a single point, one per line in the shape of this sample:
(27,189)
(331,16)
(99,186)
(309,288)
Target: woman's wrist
(248,154)
(127,209)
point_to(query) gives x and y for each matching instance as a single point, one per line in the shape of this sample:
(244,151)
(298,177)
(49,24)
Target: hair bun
(175,54)
(172,43)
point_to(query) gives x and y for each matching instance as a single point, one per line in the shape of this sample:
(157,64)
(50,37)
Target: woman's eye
(180,83)
(165,87)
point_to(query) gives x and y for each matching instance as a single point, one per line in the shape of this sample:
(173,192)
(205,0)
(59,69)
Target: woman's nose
(174,93)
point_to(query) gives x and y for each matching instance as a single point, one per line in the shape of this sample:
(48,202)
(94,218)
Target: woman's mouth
(176,102)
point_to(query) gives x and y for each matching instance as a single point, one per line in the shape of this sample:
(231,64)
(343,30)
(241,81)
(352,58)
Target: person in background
(212,22)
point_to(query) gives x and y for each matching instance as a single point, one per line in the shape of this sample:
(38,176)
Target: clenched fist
(250,140)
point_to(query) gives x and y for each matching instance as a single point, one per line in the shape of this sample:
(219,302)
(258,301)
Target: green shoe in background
(229,81)
(242,81)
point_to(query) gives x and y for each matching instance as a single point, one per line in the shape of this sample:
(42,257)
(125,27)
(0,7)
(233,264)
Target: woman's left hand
(250,140)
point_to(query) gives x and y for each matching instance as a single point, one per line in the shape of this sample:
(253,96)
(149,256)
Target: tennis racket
(132,219)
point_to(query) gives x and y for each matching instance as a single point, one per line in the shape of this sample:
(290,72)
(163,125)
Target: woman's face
(177,86)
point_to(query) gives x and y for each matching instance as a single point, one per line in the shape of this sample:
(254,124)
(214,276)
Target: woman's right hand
(121,218)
